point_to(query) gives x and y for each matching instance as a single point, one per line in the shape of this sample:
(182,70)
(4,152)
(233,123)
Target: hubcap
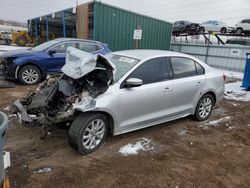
(93,134)
(205,107)
(30,76)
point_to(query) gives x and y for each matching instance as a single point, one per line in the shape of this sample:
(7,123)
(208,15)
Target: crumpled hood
(18,53)
(79,63)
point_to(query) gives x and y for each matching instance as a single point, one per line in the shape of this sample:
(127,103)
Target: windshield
(123,64)
(45,45)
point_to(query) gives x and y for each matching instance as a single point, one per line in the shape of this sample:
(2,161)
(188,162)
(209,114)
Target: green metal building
(104,23)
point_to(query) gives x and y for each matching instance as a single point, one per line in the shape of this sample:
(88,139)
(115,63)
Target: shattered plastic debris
(7,108)
(12,115)
(42,170)
(132,149)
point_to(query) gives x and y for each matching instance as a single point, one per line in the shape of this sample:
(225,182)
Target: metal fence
(230,57)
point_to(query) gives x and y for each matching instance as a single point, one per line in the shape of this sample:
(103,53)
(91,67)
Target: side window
(182,23)
(154,70)
(176,23)
(248,21)
(183,67)
(87,47)
(61,48)
(199,69)
(210,22)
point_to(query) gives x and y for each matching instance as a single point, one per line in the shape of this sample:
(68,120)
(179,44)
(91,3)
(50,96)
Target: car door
(55,61)
(209,26)
(187,83)
(149,103)
(216,26)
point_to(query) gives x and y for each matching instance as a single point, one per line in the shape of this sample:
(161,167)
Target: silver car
(124,91)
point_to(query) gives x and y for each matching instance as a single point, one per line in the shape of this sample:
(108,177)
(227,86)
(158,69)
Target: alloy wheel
(93,133)
(30,76)
(205,107)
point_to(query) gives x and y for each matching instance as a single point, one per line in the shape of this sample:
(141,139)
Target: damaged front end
(84,78)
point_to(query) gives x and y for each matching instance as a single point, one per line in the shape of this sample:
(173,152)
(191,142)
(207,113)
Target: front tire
(88,132)
(239,31)
(29,75)
(204,107)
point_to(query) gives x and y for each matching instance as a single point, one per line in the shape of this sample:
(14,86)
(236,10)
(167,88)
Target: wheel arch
(111,122)
(29,63)
(223,28)
(212,93)
(239,28)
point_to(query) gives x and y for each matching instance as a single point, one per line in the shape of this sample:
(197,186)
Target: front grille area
(7,68)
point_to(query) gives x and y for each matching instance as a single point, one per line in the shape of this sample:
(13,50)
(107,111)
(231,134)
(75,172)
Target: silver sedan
(149,87)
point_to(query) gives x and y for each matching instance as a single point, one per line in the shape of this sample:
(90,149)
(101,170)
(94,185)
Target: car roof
(76,39)
(146,54)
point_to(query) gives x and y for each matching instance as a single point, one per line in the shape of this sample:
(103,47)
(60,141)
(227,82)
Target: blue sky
(229,11)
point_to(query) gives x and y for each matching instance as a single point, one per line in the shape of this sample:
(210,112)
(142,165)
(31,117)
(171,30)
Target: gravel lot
(182,153)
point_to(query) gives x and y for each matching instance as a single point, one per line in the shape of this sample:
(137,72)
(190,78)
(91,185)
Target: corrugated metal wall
(116,26)
(223,56)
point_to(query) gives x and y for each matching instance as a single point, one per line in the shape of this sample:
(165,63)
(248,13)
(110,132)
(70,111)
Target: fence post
(207,50)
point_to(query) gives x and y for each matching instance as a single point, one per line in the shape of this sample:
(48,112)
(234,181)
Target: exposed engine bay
(54,100)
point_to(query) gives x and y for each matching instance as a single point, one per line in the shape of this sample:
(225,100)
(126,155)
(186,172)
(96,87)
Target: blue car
(31,66)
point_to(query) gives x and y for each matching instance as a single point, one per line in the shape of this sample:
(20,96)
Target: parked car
(243,26)
(238,41)
(215,26)
(182,26)
(122,92)
(30,66)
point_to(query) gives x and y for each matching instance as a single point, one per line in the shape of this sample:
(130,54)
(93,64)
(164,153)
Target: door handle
(200,83)
(167,89)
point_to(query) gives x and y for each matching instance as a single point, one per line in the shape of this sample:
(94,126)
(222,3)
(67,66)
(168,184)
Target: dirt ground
(185,153)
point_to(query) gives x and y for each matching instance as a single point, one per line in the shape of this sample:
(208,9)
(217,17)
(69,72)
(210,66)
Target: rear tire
(204,107)
(223,30)
(202,30)
(239,31)
(88,132)
(29,75)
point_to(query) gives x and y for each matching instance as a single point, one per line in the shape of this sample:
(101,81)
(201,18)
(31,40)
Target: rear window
(245,21)
(185,67)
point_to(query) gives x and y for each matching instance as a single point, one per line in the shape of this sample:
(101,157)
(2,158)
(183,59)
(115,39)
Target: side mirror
(51,52)
(133,82)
